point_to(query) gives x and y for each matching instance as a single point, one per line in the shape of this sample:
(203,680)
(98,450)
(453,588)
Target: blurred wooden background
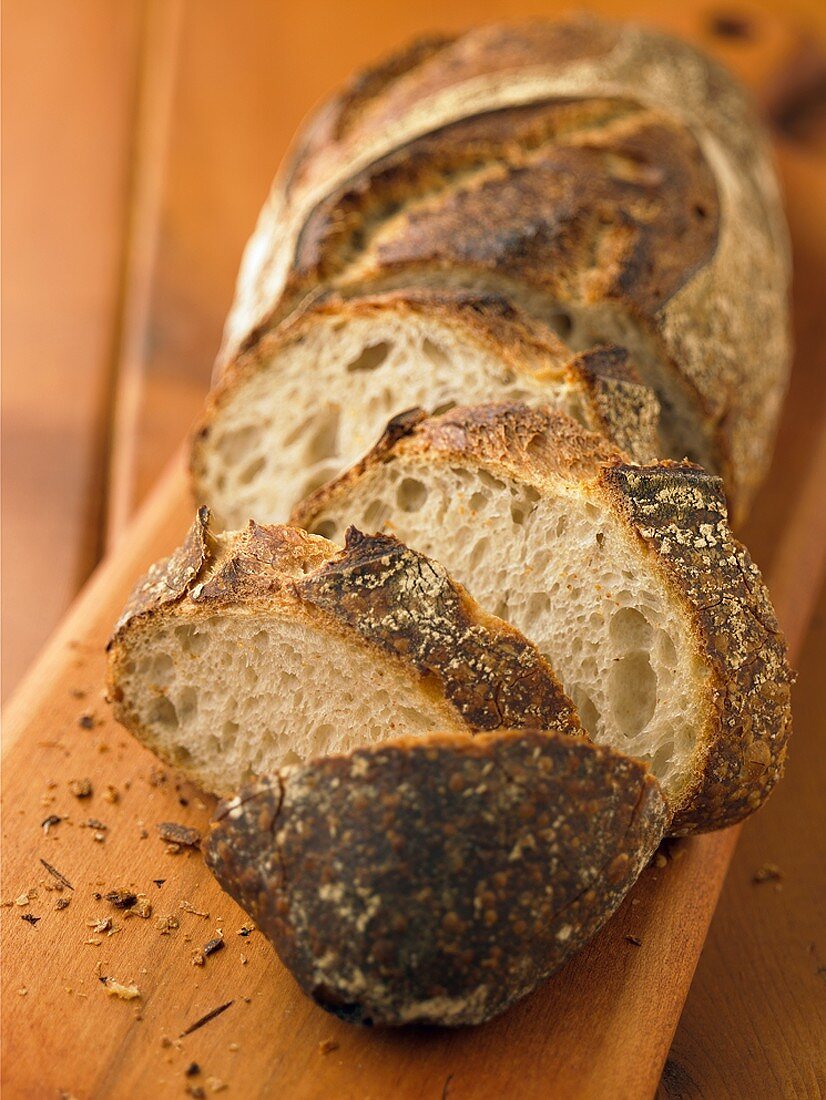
(139,140)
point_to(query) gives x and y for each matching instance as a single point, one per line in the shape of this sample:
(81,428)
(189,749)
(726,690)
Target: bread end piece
(437,880)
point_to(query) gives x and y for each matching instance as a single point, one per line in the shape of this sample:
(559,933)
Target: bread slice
(315,395)
(244,651)
(626,577)
(436,880)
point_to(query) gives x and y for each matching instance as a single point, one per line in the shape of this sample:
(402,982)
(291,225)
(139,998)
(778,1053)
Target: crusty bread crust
(610,393)
(637,176)
(375,593)
(677,514)
(437,880)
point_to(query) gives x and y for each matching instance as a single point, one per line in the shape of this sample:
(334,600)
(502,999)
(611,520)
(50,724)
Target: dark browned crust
(408,605)
(605,200)
(679,511)
(167,581)
(437,880)
(622,407)
(376,592)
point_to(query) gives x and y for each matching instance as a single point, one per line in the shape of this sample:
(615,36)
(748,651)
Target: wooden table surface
(139,141)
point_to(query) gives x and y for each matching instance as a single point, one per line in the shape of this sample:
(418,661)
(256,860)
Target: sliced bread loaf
(244,651)
(592,171)
(313,396)
(437,879)
(626,577)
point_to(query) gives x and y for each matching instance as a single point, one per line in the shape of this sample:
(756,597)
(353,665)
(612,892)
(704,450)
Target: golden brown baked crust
(375,592)
(438,879)
(677,512)
(634,175)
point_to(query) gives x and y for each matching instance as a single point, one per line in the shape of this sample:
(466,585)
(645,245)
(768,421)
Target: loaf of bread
(609,181)
(626,577)
(517,259)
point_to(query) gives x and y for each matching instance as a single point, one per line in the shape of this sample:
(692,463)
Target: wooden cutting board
(600,1028)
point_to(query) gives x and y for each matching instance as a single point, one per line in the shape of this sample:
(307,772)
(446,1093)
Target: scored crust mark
(662,528)
(593,191)
(680,512)
(622,407)
(408,605)
(437,880)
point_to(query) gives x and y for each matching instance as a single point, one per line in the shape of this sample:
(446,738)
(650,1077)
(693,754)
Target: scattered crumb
(213,945)
(168,924)
(192,1070)
(81,788)
(245,929)
(49,822)
(327,1046)
(142,908)
(111,794)
(769,872)
(24,899)
(23,992)
(234,1047)
(122,898)
(198,958)
(87,720)
(117,989)
(62,903)
(166,1041)
(180,836)
(159,882)
(30,918)
(215,1084)
(102,925)
(188,908)
(635,940)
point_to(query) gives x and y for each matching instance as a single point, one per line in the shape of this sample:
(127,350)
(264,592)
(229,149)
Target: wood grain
(755,1021)
(67,105)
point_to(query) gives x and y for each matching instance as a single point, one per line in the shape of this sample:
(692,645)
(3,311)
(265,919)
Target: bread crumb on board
(117,989)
